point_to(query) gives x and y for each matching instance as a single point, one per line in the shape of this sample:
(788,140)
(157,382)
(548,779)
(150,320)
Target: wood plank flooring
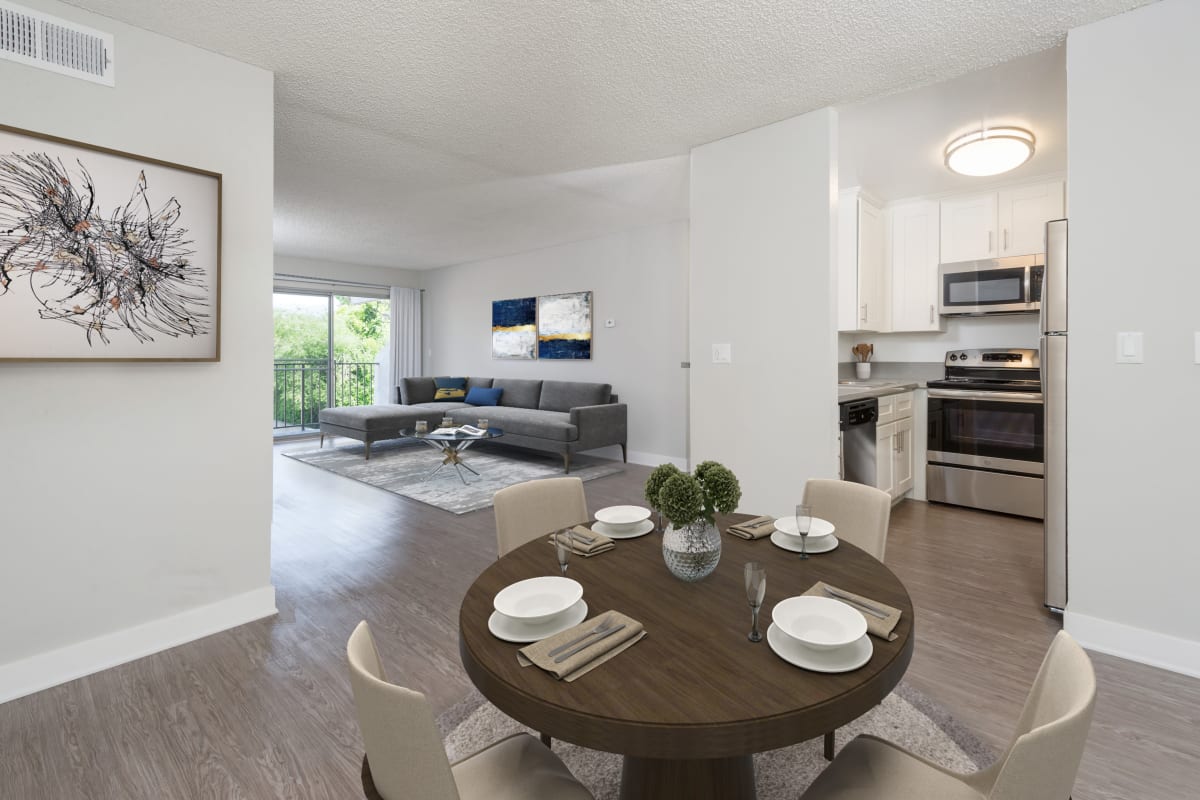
(264,711)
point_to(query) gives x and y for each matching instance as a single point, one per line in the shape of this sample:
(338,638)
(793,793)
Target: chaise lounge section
(563,417)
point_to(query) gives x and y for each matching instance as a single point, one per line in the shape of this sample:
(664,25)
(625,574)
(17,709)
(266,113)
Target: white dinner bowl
(537,599)
(821,623)
(820,527)
(623,518)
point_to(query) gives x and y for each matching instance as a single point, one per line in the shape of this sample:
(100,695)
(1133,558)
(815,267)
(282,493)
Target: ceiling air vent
(40,40)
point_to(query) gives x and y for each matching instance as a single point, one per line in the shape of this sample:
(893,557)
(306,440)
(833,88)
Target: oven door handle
(1031,398)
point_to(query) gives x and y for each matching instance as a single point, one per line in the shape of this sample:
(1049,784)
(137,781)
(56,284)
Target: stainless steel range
(986,422)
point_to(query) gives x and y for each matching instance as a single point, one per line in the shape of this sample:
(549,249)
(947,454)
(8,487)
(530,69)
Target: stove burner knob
(953,357)
(963,356)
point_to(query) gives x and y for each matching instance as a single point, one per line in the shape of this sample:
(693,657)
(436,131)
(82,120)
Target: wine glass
(756,590)
(562,547)
(803,526)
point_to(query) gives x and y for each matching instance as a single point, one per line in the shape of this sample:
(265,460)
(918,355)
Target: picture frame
(564,324)
(514,329)
(106,255)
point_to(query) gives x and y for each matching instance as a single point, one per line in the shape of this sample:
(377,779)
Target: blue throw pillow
(479,396)
(450,389)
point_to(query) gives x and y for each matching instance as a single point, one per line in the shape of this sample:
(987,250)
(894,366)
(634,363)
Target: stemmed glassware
(562,547)
(756,590)
(803,526)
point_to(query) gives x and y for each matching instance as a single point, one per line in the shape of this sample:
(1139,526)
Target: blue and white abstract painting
(565,326)
(514,328)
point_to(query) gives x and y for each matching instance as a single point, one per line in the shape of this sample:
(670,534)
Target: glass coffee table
(451,446)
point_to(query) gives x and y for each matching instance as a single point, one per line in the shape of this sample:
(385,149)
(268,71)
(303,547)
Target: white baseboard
(1135,644)
(654,459)
(33,674)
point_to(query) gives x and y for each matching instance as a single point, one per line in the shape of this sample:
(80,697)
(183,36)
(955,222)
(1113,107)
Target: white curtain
(402,356)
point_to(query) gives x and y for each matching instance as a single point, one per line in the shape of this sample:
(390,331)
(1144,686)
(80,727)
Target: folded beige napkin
(755,528)
(881,628)
(590,657)
(580,544)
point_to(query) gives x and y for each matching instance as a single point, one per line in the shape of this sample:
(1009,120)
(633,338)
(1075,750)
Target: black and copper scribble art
(125,269)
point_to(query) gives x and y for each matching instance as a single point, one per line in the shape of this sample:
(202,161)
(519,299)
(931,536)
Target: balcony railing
(302,389)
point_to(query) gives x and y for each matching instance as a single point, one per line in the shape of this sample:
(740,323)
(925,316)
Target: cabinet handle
(1006,238)
(990,238)
(931,313)
(864,313)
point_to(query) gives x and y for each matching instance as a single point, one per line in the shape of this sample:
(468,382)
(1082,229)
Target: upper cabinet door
(913,249)
(873,290)
(1023,214)
(969,228)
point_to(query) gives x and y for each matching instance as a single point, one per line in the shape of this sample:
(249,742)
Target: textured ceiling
(417,133)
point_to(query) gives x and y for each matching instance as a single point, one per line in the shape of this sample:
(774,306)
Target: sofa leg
(545,740)
(566,463)
(322,440)
(367,451)
(829,746)
(624,453)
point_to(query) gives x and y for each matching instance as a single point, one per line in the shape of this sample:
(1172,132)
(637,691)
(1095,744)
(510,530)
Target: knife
(585,646)
(870,609)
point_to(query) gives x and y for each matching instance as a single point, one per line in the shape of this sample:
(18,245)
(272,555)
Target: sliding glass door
(329,349)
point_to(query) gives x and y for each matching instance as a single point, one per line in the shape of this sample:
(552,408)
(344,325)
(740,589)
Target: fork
(604,625)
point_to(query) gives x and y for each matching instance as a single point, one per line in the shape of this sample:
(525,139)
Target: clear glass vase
(693,551)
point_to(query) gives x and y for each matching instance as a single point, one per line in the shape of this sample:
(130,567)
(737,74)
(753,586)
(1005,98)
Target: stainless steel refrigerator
(1054,389)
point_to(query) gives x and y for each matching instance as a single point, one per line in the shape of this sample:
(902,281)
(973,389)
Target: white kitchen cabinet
(864,293)
(894,462)
(902,457)
(913,250)
(968,230)
(1008,222)
(1023,214)
(885,458)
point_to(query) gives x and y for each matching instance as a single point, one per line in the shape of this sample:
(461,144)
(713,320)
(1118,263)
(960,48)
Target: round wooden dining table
(691,703)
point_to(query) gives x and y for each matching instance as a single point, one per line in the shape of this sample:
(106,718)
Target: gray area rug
(905,717)
(403,466)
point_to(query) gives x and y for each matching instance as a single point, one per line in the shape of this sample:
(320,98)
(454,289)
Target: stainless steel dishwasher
(858,418)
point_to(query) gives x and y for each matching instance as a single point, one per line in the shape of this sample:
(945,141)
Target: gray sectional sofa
(561,417)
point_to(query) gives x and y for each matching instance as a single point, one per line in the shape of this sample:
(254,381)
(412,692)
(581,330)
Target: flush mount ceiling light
(990,151)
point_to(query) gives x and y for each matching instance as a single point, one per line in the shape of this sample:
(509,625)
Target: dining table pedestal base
(693,779)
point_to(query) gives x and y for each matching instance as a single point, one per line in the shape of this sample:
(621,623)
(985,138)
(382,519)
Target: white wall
(137,497)
(763,213)
(1018,330)
(338,270)
(638,279)
(1132,514)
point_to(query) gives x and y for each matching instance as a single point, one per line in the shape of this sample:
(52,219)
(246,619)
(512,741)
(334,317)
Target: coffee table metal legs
(451,455)
(700,779)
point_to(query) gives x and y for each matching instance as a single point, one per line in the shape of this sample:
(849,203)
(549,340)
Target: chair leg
(829,746)
(546,740)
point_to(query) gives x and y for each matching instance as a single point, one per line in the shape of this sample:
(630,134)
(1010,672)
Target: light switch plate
(1129,347)
(722,353)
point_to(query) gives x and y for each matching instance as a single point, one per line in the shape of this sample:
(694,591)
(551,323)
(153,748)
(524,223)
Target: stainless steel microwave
(991,286)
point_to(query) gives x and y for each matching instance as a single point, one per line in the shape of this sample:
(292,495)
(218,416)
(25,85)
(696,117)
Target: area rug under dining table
(906,717)
(402,466)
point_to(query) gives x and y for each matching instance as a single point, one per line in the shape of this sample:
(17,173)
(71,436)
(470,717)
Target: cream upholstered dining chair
(526,511)
(860,513)
(1039,764)
(406,759)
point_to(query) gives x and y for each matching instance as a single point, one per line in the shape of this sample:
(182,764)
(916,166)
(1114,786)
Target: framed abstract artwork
(514,328)
(105,255)
(565,326)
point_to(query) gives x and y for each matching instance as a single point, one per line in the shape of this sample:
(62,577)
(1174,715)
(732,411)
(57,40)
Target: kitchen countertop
(861,390)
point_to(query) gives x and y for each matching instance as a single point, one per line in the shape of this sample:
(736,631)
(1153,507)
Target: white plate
(641,529)
(815,546)
(819,528)
(514,630)
(537,599)
(620,516)
(843,659)
(820,623)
